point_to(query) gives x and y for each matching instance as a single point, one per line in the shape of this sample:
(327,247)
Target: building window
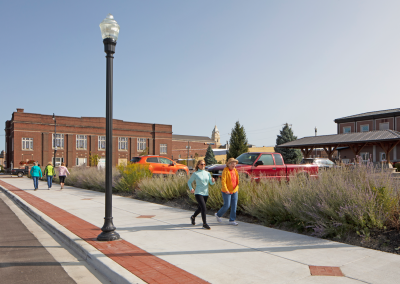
(347,129)
(122,143)
(364,156)
(384,126)
(59,161)
(102,142)
(27,143)
(383,157)
(59,141)
(81,142)
(81,161)
(141,144)
(163,148)
(364,128)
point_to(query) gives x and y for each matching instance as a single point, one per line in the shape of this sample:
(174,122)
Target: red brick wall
(41,127)
(179,148)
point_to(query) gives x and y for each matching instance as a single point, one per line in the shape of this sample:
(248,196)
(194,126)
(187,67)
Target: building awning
(386,139)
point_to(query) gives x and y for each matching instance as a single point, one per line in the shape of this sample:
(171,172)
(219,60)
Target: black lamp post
(109,32)
(55,140)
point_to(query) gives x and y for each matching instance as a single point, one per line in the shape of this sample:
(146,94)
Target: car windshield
(247,158)
(307,161)
(135,159)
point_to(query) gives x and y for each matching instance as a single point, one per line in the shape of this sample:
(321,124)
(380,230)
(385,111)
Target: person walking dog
(62,174)
(36,172)
(50,172)
(202,178)
(230,187)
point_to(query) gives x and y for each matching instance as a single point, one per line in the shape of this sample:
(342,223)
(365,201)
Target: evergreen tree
(290,156)
(238,142)
(210,157)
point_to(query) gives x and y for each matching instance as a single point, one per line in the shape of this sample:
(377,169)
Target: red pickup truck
(267,165)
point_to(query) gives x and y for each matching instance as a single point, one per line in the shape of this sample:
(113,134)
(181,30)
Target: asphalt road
(22,257)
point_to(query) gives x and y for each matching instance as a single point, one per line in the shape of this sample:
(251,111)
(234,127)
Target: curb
(103,264)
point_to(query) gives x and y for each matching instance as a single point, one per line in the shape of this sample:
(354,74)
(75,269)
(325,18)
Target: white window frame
(83,160)
(382,156)
(27,143)
(163,149)
(59,160)
(345,129)
(141,144)
(102,142)
(59,141)
(364,155)
(81,142)
(122,143)
(382,126)
(365,125)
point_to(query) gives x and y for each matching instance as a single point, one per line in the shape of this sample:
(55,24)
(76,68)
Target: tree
(144,152)
(290,156)
(210,157)
(238,142)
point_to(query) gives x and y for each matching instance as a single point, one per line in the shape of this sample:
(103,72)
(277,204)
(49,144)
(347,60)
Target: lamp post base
(109,233)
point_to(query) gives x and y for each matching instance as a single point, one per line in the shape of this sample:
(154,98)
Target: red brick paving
(325,271)
(139,262)
(146,216)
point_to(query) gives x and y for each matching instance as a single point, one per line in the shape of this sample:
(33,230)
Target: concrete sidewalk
(225,254)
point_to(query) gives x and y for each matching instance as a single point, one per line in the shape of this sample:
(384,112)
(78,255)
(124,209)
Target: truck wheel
(20,174)
(181,173)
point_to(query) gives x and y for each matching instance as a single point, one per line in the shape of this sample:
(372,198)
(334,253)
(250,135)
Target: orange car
(162,165)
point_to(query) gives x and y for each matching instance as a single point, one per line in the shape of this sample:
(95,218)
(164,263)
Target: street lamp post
(315,147)
(109,32)
(55,140)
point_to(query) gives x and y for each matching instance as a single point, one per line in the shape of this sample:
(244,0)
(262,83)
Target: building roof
(205,139)
(369,115)
(343,139)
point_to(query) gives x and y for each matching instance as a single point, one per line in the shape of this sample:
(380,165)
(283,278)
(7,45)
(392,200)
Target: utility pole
(315,136)
(187,159)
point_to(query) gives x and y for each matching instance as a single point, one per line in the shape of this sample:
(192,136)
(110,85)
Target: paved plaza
(159,245)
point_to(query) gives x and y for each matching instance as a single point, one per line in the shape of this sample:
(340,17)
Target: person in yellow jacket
(50,172)
(230,187)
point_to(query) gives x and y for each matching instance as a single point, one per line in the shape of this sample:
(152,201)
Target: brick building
(197,145)
(30,136)
(366,122)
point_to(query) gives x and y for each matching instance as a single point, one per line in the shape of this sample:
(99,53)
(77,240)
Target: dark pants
(35,182)
(49,181)
(201,200)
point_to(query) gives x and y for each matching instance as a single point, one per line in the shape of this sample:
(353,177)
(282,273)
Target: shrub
(160,187)
(131,175)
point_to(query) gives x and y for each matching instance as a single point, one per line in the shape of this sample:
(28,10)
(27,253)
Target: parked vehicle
(20,172)
(162,165)
(267,165)
(322,163)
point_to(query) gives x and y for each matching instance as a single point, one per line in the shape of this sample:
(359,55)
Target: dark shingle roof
(370,115)
(343,139)
(204,139)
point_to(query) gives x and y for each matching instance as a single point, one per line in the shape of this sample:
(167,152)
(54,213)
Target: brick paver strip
(146,216)
(325,271)
(141,263)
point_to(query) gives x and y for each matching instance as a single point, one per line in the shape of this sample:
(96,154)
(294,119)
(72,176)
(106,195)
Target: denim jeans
(49,181)
(35,182)
(230,200)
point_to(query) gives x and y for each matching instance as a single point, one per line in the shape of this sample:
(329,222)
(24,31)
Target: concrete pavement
(246,253)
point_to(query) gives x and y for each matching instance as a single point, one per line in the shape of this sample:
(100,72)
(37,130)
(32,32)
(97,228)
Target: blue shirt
(202,178)
(36,171)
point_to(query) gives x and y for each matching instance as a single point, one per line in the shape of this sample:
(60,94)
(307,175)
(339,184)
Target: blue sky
(194,64)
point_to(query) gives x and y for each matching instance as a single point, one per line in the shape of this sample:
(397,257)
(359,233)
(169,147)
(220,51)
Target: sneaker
(218,218)
(192,220)
(49,188)
(205,226)
(233,223)
(35,189)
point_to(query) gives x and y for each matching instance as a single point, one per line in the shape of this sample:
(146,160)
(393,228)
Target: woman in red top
(230,187)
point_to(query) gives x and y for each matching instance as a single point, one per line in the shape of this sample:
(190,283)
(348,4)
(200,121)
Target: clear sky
(194,64)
